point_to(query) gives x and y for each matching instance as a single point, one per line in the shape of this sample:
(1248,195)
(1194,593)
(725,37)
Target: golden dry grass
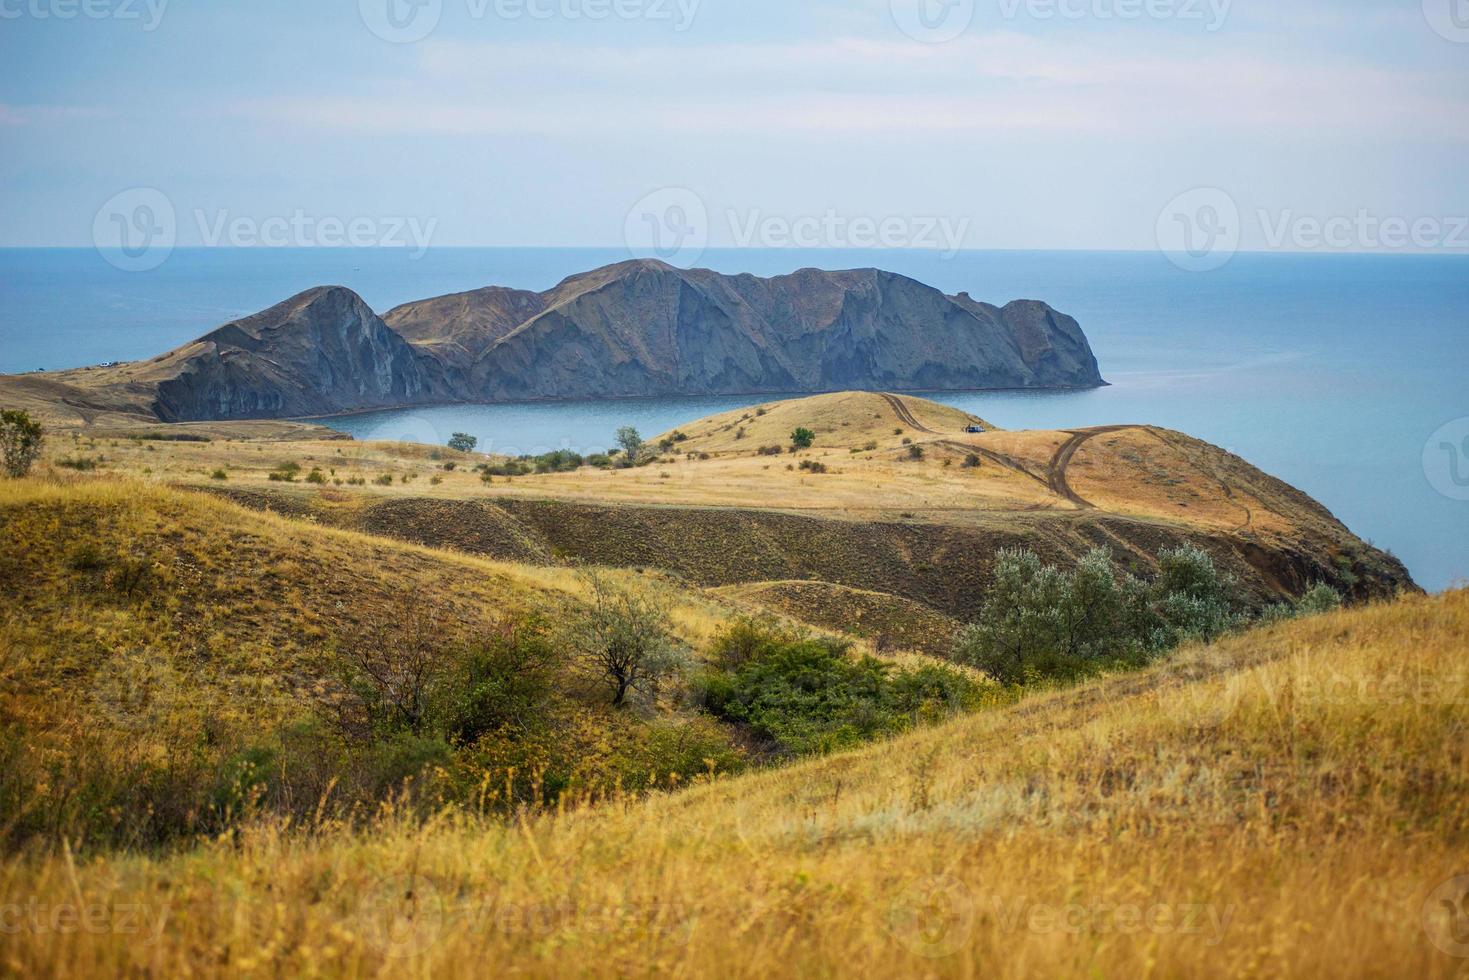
(1144,473)
(1283,804)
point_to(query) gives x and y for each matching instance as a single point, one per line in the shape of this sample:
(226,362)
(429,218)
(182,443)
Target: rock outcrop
(632,329)
(646,328)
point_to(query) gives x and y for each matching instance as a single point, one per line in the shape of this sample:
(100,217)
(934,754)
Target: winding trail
(1056,471)
(905,414)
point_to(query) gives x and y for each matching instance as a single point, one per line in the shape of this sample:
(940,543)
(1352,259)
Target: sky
(1025,124)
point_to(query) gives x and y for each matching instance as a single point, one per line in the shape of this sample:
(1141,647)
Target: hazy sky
(984,123)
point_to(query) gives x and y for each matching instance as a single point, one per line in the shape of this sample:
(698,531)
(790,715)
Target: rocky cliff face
(637,328)
(646,328)
(318,353)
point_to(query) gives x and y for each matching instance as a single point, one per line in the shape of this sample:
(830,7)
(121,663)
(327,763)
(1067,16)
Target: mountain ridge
(633,329)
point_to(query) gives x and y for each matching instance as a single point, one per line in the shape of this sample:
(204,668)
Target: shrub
(560,461)
(810,696)
(384,480)
(131,577)
(621,641)
(85,556)
(499,685)
(769,451)
(971,462)
(803,438)
(813,466)
(463,442)
(915,452)
(21,440)
(1039,622)
(316,476)
(82,464)
(1321,598)
(219,474)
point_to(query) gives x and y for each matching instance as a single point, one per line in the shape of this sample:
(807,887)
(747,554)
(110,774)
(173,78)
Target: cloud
(994,82)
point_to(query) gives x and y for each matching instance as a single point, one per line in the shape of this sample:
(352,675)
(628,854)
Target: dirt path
(905,415)
(1009,462)
(1056,471)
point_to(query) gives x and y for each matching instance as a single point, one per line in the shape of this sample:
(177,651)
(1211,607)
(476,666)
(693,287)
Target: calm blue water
(1332,372)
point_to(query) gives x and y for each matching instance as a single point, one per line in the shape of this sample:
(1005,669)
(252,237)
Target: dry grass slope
(1282,804)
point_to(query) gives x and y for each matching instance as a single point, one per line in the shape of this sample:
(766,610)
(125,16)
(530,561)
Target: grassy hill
(1293,801)
(894,496)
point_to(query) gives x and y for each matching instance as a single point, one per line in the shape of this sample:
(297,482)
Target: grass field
(1291,802)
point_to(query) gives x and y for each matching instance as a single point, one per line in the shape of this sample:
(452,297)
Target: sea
(1345,375)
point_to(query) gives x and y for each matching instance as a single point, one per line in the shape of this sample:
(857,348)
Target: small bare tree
(621,640)
(391,663)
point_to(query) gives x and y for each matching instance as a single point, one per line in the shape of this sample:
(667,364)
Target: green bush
(21,439)
(811,696)
(462,442)
(1039,622)
(803,438)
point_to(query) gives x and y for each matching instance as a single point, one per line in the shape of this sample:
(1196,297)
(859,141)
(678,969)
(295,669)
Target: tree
(631,443)
(621,640)
(21,438)
(803,438)
(1039,621)
(463,442)
(390,663)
